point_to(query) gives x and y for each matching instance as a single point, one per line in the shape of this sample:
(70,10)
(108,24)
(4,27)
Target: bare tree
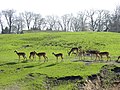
(82,19)
(1,23)
(28,18)
(115,20)
(42,24)
(36,18)
(75,24)
(9,15)
(60,25)
(57,25)
(79,23)
(102,20)
(66,20)
(92,19)
(51,20)
(99,22)
(106,20)
(38,22)
(19,23)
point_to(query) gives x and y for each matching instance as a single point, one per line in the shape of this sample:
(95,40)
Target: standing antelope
(104,54)
(32,54)
(73,51)
(21,54)
(93,52)
(58,55)
(42,54)
(81,54)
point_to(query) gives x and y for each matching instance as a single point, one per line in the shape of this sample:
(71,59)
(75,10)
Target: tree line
(88,20)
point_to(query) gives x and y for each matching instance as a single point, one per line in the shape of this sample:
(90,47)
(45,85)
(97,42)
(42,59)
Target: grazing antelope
(101,54)
(42,54)
(21,54)
(58,55)
(73,51)
(93,52)
(32,54)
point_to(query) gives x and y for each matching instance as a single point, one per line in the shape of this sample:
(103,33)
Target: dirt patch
(107,79)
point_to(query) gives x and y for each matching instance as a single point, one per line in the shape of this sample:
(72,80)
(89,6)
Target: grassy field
(34,74)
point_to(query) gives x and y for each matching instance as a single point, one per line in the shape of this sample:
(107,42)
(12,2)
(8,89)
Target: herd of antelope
(82,53)
(77,51)
(40,54)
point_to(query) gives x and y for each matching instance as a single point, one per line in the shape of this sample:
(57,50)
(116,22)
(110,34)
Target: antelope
(93,52)
(81,54)
(73,51)
(58,55)
(42,54)
(21,54)
(32,54)
(101,54)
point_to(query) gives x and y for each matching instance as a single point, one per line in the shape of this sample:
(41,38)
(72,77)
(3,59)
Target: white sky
(57,7)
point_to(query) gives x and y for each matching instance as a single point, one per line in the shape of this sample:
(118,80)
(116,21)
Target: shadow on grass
(29,66)
(9,63)
(13,63)
(25,61)
(32,66)
(51,65)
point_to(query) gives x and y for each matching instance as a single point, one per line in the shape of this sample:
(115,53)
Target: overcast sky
(57,7)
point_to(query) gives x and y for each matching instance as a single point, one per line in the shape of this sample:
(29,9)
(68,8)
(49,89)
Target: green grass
(15,74)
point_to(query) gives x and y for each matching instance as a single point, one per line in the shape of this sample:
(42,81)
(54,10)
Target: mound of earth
(107,79)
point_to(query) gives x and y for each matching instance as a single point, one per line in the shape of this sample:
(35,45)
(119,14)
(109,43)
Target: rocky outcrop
(107,79)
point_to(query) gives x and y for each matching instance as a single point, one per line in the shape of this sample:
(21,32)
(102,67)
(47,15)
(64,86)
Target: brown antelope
(21,54)
(81,54)
(93,52)
(32,54)
(101,54)
(42,54)
(58,55)
(72,50)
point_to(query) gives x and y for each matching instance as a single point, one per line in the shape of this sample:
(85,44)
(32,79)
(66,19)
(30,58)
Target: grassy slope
(15,72)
